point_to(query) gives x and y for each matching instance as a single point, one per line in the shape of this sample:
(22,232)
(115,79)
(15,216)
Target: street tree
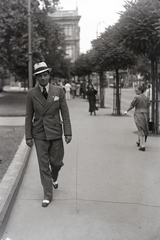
(138,32)
(48,42)
(47,39)
(143,68)
(83,66)
(111,55)
(97,55)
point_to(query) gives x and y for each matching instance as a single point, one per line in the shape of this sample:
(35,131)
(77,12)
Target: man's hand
(68,139)
(125,112)
(29,142)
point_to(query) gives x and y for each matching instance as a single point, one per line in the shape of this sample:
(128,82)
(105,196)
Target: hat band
(41,69)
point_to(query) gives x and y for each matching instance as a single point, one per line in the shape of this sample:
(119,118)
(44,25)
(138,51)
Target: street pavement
(13,121)
(108,189)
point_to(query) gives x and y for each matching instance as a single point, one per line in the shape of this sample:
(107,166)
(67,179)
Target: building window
(69,52)
(68,31)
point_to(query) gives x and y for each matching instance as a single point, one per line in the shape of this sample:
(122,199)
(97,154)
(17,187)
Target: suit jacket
(43,117)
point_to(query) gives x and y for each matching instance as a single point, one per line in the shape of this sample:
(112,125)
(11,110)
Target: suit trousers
(50,158)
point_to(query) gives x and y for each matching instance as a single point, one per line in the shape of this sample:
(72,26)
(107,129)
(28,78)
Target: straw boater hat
(40,68)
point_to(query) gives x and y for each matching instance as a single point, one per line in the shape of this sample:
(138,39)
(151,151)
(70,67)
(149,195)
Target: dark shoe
(142,149)
(55,184)
(138,144)
(45,203)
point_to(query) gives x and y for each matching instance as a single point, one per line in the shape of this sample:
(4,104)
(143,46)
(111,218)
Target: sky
(96,15)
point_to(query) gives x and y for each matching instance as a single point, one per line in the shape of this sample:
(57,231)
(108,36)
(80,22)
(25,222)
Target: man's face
(43,78)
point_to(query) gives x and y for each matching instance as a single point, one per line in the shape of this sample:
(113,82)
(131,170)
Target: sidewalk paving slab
(107,188)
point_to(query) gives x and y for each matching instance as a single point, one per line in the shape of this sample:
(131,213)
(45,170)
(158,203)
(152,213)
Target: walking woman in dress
(91,94)
(141,116)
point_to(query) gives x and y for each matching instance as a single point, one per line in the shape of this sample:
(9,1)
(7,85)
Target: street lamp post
(100,80)
(30,83)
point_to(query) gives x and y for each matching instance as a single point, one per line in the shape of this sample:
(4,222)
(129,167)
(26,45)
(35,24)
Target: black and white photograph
(79,120)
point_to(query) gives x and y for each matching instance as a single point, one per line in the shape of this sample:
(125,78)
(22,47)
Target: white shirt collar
(47,87)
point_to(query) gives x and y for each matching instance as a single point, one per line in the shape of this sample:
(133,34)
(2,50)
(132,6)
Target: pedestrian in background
(73,85)
(81,88)
(78,86)
(148,94)
(141,105)
(68,88)
(84,87)
(91,94)
(44,104)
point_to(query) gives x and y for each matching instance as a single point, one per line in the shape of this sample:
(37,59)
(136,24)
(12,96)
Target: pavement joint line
(97,201)
(10,183)
(118,202)
(77,177)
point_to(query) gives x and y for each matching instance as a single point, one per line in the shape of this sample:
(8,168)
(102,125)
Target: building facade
(68,21)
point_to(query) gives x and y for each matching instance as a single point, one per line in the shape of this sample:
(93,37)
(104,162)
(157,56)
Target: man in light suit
(43,123)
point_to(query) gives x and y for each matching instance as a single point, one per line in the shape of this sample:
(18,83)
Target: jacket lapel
(50,99)
(39,97)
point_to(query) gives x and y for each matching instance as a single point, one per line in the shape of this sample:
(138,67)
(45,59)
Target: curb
(10,183)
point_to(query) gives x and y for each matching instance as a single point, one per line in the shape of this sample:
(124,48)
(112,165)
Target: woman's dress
(92,100)
(141,104)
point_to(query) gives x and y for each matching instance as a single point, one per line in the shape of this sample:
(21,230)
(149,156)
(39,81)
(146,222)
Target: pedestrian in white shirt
(68,88)
(148,94)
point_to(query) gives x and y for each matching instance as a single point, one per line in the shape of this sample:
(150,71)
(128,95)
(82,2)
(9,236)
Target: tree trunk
(1,79)
(89,79)
(118,102)
(157,107)
(102,91)
(1,84)
(153,91)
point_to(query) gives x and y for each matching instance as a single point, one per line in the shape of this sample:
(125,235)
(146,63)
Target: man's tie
(45,94)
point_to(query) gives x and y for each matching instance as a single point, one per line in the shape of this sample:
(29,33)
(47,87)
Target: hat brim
(44,70)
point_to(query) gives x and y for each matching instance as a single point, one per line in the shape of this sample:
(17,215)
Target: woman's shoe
(138,144)
(142,149)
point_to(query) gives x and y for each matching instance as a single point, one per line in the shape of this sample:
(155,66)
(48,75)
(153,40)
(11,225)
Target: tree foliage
(139,32)
(47,40)
(49,5)
(83,65)
(137,27)
(110,53)
(143,68)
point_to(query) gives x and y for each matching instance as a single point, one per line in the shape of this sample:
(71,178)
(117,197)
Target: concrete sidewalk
(107,188)
(12,121)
